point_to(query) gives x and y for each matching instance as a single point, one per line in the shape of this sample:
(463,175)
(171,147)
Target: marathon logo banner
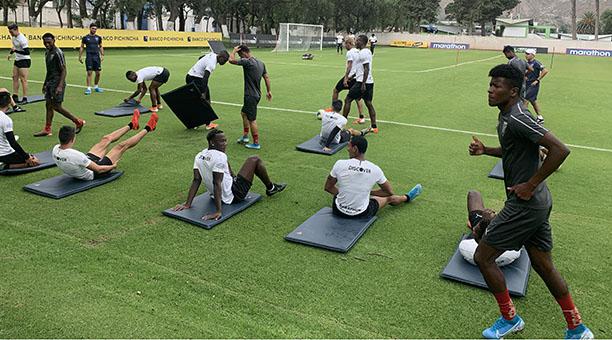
(449,46)
(71,37)
(585,52)
(539,50)
(409,44)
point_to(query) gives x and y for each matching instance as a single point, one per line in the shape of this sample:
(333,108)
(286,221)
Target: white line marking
(436,128)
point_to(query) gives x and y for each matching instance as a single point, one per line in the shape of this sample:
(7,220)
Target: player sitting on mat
(332,127)
(12,154)
(226,188)
(479,218)
(351,181)
(158,77)
(97,162)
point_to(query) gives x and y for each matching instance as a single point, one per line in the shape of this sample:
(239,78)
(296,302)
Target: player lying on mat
(351,181)
(12,154)
(97,161)
(226,188)
(333,125)
(479,218)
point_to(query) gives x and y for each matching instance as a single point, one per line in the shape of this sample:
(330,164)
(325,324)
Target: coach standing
(92,44)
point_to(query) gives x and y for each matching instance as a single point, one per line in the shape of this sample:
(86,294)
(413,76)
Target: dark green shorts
(50,93)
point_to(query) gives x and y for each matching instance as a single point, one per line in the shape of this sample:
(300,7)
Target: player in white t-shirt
(373,42)
(333,127)
(200,73)
(339,40)
(348,79)
(351,181)
(364,84)
(158,77)
(211,165)
(12,155)
(97,161)
(21,66)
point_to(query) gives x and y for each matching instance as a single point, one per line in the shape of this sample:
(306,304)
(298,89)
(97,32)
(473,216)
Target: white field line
(436,128)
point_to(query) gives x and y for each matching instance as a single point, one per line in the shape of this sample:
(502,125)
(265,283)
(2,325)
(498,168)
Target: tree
(586,25)
(59,6)
(464,12)
(597,19)
(35,8)
(6,6)
(574,20)
(468,12)
(606,21)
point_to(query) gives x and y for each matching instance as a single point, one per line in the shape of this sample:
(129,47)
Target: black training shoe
(17,108)
(23,100)
(276,188)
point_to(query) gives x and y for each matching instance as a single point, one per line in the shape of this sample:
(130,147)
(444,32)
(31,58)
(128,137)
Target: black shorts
(50,93)
(100,161)
(340,85)
(516,226)
(12,158)
(93,63)
(240,188)
(199,83)
(356,94)
(532,93)
(250,107)
(24,63)
(162,77)
(370,211)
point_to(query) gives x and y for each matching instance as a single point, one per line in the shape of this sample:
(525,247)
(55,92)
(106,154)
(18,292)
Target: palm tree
(573,19)
(586,25)
(596,20)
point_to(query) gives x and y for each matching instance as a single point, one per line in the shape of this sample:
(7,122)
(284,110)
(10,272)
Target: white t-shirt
(73,163)
(209,161)
(365,57)
(373,40)
(355,181)
(339,39)
(148,73)
(206,63)
(330,120)
(352,55)
(20,43)
(6,125)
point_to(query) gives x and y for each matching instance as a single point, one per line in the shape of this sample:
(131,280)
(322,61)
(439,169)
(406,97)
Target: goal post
(299,37)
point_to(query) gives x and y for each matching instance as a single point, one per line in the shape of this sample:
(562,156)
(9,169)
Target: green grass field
(106,263)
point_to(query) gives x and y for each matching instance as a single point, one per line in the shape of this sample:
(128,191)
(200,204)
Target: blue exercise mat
(516,273)
(63,185)
(313,145)
(203,204)
(46,161)
(328,231)
(31,100)
(123,109)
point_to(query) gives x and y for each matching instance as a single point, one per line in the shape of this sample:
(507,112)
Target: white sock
(89,88)
(96,86)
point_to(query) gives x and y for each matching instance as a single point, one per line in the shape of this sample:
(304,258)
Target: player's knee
(106,139)
(481,259)
(122,146)
(15,76)
(254,159)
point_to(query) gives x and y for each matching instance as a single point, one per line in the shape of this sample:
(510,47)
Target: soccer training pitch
(106,263)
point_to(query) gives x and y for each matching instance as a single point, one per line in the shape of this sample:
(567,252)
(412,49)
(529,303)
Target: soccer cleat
(415,192)
(79,125)
(375,130)
(152,123)
(540,119)
(211,126)
(87,91)
(98,89)
(160,107)
(18,108)
(43,133)
(503,327)
(243,140)
(135,118)
(366,131)
(153,109)
(276,188)
(580,332)
(254,146)
(359,121)
(23,100)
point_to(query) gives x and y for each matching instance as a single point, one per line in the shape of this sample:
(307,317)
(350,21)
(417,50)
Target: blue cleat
(88,91)
(414,192)
(580,332)
(98,89)
(243,140)
(503,327)
(254,146)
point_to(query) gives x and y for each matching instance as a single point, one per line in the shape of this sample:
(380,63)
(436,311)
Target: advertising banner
(585,52)
(449,46)
(409,43)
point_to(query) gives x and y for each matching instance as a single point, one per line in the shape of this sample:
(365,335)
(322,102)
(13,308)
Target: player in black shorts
(364,85)
(21,66)
(524,219)
(92,44)
(211,165)
(348,80)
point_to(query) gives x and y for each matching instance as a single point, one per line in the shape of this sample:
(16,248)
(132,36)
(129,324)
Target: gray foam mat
(187,104)
(46,161)
(328,231)
(63,185)
(516,273)
(123,109)
(498,171)
(313,146)
(31,99)
(203,204)
(216,46)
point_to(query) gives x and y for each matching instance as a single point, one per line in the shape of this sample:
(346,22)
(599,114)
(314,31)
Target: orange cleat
(43,133)
(152,123)
(135,118)
(211,126)
(359,121)
(153,109)
(375,130)
(79,125)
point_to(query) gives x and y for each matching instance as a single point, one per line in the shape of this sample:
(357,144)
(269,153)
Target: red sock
(506,306)
(246,131)
(572,316)
(47,127)
(256,139)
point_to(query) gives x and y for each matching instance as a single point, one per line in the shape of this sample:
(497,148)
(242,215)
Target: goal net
(299,37)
